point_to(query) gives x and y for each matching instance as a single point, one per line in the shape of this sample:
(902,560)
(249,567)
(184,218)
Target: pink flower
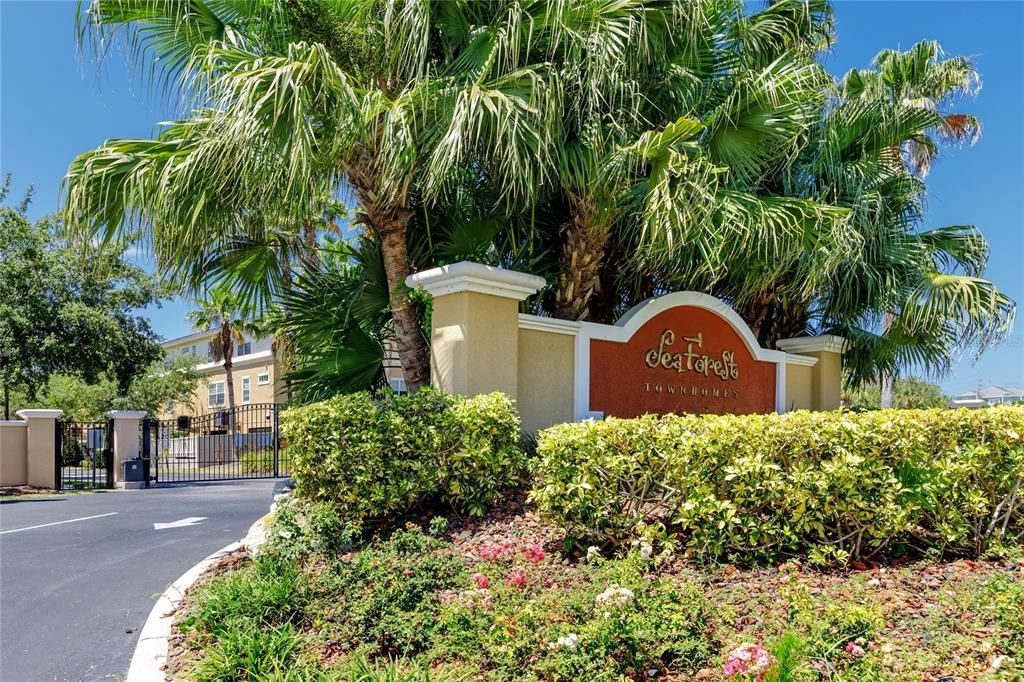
(751,659)
(534,553)
(854,650)
(517,576)
(481,581)
(496,552)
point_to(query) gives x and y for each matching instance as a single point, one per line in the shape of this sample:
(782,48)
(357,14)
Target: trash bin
(131,471)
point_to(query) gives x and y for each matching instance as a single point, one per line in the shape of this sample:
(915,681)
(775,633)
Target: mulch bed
(923,602)
(18,490)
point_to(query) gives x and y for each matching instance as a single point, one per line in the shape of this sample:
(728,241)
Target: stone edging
(151,652)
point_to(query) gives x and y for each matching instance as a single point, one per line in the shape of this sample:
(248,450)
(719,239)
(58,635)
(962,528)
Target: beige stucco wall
(267,393)
(125,441)
(546,367)
(13,453)
(474,345)
(827,386)
(40,462)
(798,387)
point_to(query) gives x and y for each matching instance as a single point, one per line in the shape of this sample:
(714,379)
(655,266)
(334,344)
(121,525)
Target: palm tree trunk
(755,310)
(227,346)
(580,263)
(389,222)
(412,347)
(888,392)
(309,237)
(888,389)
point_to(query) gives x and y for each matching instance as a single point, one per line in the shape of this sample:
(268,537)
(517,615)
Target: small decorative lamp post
(5,357)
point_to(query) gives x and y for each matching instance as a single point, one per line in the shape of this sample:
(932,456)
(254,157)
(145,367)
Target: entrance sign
(682,352)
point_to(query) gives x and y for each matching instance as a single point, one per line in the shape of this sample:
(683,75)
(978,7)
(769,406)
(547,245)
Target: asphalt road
(73,596)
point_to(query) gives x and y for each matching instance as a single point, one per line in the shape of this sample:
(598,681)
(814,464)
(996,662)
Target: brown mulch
(511,519)
(18,490)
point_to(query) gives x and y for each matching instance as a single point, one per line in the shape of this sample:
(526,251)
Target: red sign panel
(684,359)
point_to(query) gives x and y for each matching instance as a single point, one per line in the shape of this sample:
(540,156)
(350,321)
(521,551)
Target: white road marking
(56,523)
(190,521)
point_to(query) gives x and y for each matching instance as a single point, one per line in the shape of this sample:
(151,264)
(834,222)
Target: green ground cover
(498,606)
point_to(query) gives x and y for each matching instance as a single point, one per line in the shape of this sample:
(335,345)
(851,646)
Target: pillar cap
(12,422)
(476,278)
(126,414)
(827,343)
(40,414)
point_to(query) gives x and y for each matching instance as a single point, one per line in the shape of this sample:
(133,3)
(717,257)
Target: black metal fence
(85,455)
(224,445)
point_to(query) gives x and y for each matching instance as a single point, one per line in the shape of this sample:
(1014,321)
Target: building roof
(991,392)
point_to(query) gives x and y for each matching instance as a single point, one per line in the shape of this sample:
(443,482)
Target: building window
(263,379)
(246,393)
(398,385)
(245,348)
(209,350)
(216,394)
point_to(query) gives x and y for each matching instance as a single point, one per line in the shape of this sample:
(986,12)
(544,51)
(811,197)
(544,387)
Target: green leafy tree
(911,393)
(69,308)
(166,381)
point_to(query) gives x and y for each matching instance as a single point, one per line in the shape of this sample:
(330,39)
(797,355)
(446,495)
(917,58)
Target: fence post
(277,439)
(124,437)
(58,453)
(42,457)
(147,448)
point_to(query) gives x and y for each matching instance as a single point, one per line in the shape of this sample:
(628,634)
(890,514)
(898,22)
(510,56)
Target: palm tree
(228,322)
(921,77)
(289,102)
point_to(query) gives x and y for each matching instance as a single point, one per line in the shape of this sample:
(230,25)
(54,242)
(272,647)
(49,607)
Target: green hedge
(835,485)
(377,457)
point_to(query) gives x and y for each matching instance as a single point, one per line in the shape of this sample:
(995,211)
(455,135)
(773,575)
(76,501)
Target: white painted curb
(151,652)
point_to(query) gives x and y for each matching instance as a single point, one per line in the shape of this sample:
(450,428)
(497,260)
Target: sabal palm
(228,320)
(390,102)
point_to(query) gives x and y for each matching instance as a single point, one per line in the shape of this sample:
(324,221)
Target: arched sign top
(681,352)
(644,311)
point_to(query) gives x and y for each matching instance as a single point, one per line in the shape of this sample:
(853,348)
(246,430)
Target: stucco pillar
(125,439)
(41,447)
(827,372)
(13,452)
(474,331)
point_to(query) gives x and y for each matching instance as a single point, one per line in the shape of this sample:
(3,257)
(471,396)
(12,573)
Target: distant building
(255,370)
(993,395)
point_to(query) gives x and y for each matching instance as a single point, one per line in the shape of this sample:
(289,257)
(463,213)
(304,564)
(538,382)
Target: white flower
(646,550)
(284,534)
(593,553)
(614,598)
(570,642)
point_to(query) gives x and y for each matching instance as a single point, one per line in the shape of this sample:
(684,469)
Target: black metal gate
(220,446)
(85,455)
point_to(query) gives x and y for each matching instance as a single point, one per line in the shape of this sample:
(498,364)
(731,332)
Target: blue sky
(54,105)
